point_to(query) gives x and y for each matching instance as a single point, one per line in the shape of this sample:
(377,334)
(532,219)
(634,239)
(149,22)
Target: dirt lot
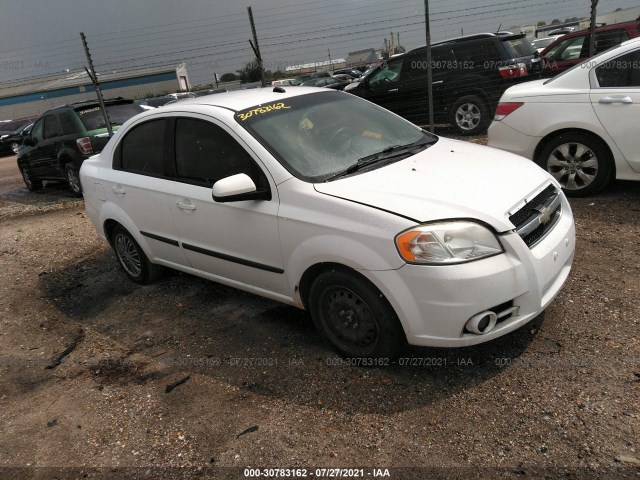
(189,373)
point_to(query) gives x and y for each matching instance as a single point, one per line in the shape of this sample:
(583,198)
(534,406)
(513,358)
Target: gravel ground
(189,373)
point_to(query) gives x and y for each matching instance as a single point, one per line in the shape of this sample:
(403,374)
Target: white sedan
(327,202)
(582,125)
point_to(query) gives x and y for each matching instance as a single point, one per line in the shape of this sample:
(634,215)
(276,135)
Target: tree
(249,73)
(542,23)
(228,77)
(555,21)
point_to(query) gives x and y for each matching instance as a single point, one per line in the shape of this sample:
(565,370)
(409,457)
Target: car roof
(586,31)
(241,99)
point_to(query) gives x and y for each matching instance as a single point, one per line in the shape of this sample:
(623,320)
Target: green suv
(63,137)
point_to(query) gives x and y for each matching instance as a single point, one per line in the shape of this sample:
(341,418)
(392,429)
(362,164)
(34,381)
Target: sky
(41,37)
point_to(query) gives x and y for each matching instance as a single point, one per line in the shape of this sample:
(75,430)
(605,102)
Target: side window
(567,50)
(610,38)
(205,153)
(441,61)
(36,131)
(67,124)
(142,149)
(51,129)
(476,53)
(620,72)
(389,73)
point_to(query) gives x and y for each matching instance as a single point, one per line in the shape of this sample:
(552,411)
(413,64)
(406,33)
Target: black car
(469,76)
(11,134)
(63,137)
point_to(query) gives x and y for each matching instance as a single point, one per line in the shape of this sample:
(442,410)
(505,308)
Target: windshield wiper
(385,154)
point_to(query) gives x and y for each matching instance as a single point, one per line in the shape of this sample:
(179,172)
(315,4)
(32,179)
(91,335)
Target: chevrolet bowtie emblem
(545,215)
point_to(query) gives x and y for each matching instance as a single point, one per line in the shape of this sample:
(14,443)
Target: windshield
(318,135)
(92,119)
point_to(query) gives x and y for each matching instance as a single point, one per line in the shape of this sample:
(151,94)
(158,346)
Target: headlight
(447,243)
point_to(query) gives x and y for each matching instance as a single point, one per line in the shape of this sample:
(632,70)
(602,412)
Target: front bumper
(434,303)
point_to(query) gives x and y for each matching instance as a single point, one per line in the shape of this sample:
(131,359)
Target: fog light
(482,323)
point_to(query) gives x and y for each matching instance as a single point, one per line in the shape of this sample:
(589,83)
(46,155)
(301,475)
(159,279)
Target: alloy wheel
(573,165)
(468,116)
(128,255)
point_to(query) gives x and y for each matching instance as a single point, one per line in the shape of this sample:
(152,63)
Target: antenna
(499,27)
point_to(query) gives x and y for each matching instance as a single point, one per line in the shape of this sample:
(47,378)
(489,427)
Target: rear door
(141,185)
(615,97)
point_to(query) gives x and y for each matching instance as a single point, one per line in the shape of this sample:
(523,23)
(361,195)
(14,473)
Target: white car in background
(541,43)
(327,202)
(582,126)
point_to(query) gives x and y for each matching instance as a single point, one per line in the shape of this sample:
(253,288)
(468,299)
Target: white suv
(582,125)
(325,201)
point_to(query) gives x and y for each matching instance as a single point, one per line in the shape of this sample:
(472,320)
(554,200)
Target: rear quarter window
(475,53)
(92,118)
(520,47)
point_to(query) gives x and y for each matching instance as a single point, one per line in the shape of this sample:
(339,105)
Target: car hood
(451,179)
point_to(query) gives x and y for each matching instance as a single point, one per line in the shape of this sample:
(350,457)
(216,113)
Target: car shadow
(183,325)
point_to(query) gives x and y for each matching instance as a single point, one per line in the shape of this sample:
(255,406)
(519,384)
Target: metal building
(31,98)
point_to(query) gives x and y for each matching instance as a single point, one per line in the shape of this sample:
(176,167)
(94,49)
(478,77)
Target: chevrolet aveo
(385,233)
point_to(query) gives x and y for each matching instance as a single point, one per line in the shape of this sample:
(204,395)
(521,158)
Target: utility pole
(429,66)
(333,70)
(94,78)
(592,28)
(256,47)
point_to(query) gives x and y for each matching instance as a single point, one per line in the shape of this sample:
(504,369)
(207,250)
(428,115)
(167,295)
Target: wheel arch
(550,136)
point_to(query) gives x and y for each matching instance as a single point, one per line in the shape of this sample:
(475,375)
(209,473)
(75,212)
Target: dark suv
(63,137)
(469,76)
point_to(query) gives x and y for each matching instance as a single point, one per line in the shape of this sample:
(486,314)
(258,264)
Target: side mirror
(237,188)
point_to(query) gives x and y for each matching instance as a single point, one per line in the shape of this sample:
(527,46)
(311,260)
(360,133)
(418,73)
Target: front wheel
(355,316)
(73,179)
(132,258)
(31,183)
(470,115)
(578,161)
(14,147)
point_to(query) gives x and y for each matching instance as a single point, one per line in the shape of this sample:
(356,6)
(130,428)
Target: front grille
(538,216)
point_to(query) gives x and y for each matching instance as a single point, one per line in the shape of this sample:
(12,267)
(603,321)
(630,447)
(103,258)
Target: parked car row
(12,133)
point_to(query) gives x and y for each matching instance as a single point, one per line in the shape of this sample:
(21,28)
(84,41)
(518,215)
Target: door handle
(118,189)
(393,90)
(623,100)
(185,206)
(438,82)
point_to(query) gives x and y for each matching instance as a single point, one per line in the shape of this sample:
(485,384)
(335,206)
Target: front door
(236,241)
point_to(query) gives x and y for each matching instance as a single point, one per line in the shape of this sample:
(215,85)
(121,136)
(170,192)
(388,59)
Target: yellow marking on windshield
(261,110)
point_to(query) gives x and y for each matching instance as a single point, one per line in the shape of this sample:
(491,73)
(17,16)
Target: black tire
(132,258)
(470,115)
(31,183)
(14,147)
(73,179)
(355,316)
(579,161)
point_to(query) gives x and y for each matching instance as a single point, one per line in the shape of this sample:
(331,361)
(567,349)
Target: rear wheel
(355,316)
(470,115)
(132,258)
(31,183)
(578,161)
(73,179)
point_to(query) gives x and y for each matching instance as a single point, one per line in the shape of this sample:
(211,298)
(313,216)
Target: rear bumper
(501,135)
